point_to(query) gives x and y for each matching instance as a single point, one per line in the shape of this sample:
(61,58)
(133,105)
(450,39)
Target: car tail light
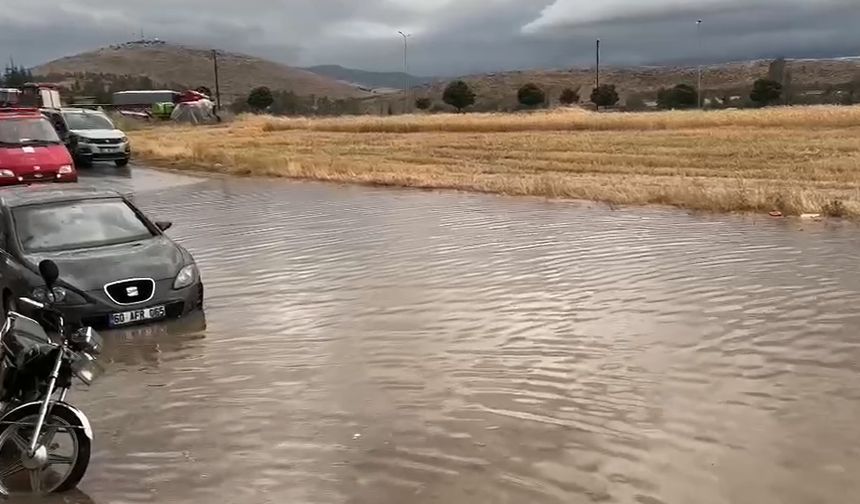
(6,174)
(66,169)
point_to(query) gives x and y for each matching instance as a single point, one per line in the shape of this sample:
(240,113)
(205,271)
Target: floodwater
(382,346)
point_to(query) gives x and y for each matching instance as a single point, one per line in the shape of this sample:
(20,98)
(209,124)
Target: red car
(30,149)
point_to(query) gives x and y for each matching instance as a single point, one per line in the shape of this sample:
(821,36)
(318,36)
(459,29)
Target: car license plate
(109,149)
(130,317)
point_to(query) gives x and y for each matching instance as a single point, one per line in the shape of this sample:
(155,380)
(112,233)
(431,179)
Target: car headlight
(186,277)
(124,139)
(7,173)
(57,295)
(87,340)
(65,169)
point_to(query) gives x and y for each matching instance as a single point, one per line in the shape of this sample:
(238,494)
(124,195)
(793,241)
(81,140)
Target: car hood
(90,269)
(46,156)
(98,134)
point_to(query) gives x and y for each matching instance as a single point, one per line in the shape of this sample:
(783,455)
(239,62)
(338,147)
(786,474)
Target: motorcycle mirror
(88,339)
(49,271)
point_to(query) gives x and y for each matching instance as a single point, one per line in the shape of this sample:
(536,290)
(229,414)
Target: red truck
(31,151)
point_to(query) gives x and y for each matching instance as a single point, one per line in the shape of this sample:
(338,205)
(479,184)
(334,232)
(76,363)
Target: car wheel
(121,162)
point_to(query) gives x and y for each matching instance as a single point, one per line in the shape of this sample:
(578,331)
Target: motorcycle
(45,442)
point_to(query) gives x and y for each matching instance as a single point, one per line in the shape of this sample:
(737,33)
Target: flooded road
(379,346)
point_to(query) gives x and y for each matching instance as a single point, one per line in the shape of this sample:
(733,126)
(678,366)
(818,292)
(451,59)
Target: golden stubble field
(796,160)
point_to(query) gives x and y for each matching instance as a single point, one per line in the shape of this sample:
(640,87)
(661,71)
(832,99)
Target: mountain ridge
(193,66)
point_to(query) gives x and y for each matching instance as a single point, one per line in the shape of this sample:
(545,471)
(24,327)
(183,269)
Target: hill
(167,63)
(808,78)
(370,80)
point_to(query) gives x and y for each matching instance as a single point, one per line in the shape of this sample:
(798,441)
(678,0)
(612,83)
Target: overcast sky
(450,37)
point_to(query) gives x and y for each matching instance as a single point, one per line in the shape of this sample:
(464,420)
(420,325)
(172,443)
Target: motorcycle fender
(85,422)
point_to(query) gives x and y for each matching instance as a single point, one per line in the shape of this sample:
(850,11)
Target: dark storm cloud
(731,29)
(449,36)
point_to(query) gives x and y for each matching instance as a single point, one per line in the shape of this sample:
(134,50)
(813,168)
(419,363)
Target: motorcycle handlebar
(33,303)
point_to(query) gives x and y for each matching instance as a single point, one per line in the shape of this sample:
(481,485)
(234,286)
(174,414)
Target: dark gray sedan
(117,268)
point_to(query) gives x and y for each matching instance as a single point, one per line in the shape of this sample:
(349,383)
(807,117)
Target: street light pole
(406,67)
(699,41)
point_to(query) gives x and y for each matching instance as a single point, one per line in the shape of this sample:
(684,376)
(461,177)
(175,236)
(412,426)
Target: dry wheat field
(796,160)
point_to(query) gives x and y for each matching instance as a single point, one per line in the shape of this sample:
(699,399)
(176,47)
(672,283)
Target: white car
(93,137)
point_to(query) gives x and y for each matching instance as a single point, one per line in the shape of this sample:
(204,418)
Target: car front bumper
(42,178)
(177,304)
(103,152)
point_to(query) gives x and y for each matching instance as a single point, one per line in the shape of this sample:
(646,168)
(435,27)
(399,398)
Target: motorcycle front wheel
(59,463)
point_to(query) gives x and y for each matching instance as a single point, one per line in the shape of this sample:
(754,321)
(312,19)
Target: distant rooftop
(139,43)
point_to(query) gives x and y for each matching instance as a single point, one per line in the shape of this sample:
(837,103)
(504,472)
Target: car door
(14,274)
(7,263)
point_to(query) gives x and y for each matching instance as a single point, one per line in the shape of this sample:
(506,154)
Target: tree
(459,95)
(423,103)
(605,96)
(569,97)
(682,96)
(15,76)
(530,95)
(766,92)
(634,103)
(260,98)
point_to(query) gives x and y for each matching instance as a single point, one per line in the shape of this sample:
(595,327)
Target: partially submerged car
(93,137)
(31,150)
(118,267)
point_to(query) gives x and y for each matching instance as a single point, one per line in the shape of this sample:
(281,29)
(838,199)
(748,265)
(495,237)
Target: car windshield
(88,122)
(27,130)
(81,224)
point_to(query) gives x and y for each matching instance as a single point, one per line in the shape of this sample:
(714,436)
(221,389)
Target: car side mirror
(164,225)
(50,272)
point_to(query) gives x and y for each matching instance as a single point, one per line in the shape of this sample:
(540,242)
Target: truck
(39,95)
(159,102)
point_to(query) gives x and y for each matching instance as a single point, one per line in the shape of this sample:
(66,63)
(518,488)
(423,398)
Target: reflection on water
(73,497)
(148,344)
(370,346)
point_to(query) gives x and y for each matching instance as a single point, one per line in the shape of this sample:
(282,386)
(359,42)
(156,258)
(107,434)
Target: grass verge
(795,160)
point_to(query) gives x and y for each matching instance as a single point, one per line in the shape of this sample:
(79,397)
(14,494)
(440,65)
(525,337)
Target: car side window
(60,125)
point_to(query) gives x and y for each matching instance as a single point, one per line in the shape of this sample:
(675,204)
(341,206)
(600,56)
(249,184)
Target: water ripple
(382,346)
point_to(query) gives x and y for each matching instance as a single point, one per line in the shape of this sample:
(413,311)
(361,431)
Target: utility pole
(406,68)
(217,82)
(597,73)
(699,42)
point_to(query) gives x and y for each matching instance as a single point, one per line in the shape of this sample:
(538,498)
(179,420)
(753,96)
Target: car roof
(19,112)
(17,196)
(67,110)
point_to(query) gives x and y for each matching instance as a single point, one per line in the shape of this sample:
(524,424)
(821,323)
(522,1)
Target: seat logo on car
(132,291)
